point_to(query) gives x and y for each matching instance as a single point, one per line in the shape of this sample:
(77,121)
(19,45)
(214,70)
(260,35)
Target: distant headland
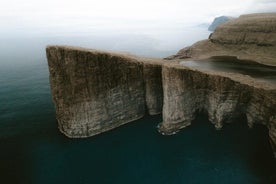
(219,20)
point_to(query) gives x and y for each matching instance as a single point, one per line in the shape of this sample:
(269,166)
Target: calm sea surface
(33,151)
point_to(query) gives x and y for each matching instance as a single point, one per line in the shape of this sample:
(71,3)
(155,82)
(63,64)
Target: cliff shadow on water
(137,153)
(237,140)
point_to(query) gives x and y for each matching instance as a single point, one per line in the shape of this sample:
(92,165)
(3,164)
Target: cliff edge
(249,37)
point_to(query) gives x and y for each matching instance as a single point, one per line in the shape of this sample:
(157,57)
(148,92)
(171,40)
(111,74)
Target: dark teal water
(33,151)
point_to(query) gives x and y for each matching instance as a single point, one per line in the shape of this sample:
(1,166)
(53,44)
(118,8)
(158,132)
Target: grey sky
(119,14)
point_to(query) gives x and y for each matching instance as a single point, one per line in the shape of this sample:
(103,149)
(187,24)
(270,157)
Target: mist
(155,28)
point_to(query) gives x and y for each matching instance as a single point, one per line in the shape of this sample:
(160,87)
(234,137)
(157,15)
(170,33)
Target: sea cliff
(96,91)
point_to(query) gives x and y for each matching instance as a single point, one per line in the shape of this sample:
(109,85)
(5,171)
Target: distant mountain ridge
(219,20)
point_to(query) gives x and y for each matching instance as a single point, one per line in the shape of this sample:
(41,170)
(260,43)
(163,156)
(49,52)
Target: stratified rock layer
(95,91)
(249,37)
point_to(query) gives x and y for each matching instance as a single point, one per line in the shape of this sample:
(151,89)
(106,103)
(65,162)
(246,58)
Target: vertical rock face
(223,97)
(95,91)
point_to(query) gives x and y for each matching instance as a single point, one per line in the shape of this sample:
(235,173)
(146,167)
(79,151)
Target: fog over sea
(33,151)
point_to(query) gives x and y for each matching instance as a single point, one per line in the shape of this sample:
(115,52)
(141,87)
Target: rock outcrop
(217,21)
(249,37)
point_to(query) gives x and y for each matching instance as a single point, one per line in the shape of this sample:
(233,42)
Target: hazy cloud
(135,15)
(263,6)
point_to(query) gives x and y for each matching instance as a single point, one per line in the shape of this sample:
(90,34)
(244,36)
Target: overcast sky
(119,14)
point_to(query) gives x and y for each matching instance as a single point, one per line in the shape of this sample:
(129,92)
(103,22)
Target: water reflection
(234,65)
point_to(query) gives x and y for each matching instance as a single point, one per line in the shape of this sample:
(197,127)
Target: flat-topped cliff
(249,37)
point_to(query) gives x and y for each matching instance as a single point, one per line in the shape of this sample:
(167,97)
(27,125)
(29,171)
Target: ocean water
(33,151)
